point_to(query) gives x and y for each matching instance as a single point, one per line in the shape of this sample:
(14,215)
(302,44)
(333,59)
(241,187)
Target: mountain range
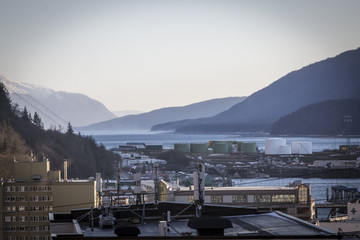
(333,78)
(145,121)
(57,108)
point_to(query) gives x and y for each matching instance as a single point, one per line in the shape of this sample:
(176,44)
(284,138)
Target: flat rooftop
(266,224)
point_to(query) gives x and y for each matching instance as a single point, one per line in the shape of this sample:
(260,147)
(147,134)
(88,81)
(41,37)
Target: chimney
(98,182)
(65,170)
(209,226)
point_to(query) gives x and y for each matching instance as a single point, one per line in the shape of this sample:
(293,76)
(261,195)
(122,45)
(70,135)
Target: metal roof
(268,224)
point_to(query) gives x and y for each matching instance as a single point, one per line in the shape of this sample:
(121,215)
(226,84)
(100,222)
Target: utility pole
(199,188)
(118,183)
(137,189)
(156,185)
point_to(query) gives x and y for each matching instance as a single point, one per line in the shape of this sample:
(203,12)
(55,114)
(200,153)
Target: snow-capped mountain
(57,108)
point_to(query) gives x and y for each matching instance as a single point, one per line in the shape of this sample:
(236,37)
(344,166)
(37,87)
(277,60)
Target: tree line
(22,135)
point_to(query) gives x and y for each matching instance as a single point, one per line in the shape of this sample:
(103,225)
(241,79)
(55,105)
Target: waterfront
(168,140)
(318,185)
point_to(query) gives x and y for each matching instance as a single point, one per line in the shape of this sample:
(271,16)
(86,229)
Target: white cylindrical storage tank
(301,147)
(285,149)
(272,145)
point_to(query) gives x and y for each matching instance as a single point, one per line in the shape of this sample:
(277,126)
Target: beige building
(295,201)
(35,192)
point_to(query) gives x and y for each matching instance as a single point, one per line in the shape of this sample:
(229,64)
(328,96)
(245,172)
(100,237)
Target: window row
(29,209)
(26,218)
(15,208)
(26,228)
(242,198)
(44,237)
(28,188)
(281,198)
(30,198)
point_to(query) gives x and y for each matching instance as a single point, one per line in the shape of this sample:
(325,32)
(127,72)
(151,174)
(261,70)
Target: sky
(145,55)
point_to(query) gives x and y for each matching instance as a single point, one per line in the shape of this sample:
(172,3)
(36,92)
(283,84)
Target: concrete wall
(26,170)
(74,195)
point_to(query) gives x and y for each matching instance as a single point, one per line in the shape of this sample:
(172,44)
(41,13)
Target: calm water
(168,140)
(318,186)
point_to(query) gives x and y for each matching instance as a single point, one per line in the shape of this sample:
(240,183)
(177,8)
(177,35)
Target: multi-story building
(36,191)
(295,200)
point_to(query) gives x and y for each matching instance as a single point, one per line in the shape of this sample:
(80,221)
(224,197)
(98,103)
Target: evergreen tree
(70,129)
(37,121)
(25,115)
(5,102)
(15,109)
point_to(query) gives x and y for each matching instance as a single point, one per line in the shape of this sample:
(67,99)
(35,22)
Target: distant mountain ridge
(324,118)
(333,78)
(145,121)
(125,112)
(76,108)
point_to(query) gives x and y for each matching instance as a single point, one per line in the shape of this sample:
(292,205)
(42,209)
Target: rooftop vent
(210,226)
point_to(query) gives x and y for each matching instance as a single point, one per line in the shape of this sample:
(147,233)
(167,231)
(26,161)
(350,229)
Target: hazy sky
(146,55)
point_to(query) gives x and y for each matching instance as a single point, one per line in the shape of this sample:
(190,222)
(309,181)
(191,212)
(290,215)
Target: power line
(37,109)
(39,103)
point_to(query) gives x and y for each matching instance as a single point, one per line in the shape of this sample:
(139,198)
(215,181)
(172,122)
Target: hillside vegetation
(325,118)
(21,135)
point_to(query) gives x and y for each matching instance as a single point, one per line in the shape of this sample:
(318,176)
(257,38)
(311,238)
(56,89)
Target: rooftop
(261,225)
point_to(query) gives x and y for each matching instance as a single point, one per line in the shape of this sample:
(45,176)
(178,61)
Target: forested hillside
(21,135)
(324,118)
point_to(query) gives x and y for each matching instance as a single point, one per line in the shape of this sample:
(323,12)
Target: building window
(216,199)
(21,229)
(190,198)
(10,189)
(10,209)
(7,218)
(10,199)
(21,199)
(283,198)
(303,194)
(21,188)
(239,198)
(21,208)
(262,198)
